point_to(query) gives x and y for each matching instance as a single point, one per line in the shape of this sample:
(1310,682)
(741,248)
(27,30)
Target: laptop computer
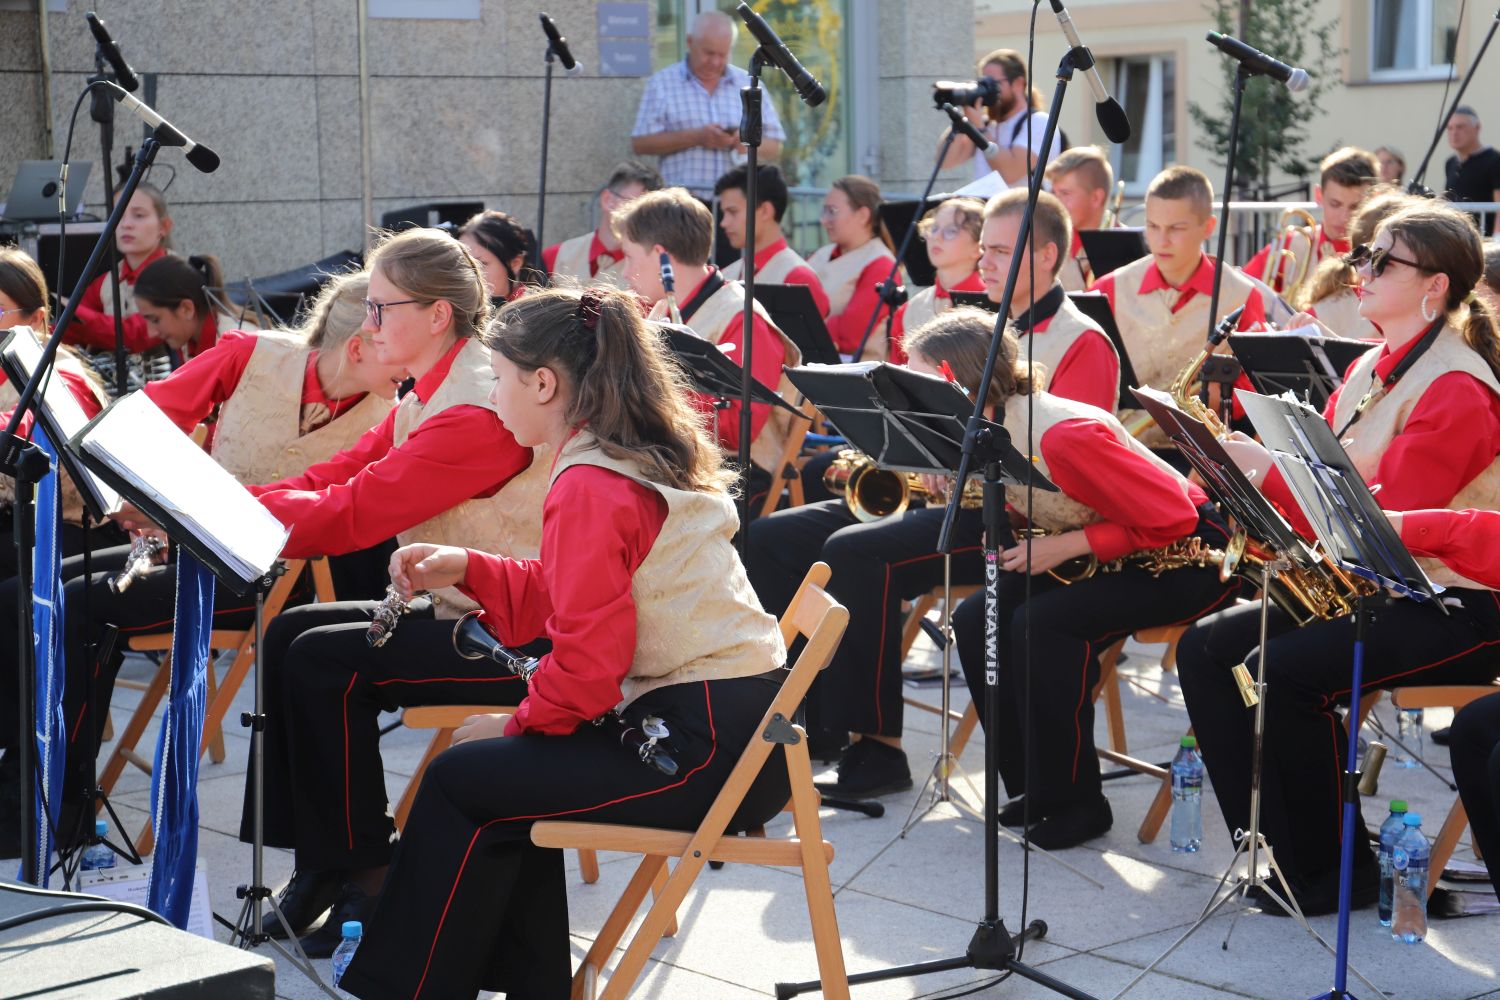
(33,196)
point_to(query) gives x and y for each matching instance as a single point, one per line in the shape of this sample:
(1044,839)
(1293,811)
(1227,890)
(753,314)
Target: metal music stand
(1303,366)
(1355,534)
(1253,515)
(713,373)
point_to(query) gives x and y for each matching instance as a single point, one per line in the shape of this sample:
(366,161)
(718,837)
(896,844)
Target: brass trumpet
(1286,265)
(872,492)
(1111,217)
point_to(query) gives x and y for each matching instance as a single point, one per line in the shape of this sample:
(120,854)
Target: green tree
(1274,122)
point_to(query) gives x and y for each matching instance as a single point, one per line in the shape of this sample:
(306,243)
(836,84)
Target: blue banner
(174,790)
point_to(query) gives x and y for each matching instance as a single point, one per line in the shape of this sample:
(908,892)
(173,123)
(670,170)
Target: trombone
(1285,265)
(1111,217)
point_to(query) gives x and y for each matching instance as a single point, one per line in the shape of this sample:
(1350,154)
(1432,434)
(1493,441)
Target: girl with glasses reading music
(1420,418)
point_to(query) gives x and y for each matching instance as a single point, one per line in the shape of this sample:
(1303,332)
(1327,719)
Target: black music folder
(60,416)
(711,370)
(795,313)
(133,447)
(1111,249)
(1279,363)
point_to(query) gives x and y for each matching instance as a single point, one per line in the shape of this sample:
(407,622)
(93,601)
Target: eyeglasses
(17,309)
(1377,259)
(829,212)
(948,232)
(376,310)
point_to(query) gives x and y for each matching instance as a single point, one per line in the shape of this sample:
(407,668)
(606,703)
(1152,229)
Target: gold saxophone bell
(873,493)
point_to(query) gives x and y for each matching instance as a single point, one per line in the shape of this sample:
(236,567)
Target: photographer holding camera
(1001,104)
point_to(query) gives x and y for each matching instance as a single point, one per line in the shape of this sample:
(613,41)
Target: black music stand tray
(974,300)
(713,373)
(1356,534)
(795,313)
(1111,249)
(1095,305)
(898,217)
(1303,366)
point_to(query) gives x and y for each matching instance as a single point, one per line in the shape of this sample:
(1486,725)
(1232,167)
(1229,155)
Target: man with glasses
(1012,119)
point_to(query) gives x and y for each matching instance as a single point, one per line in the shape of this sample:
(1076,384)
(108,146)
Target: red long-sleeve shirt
(1089,372)
(597,528)
(189,394)
(78,387)
(377,489)
(1451,435)
(1142,506)
(848,326)
(972,283)
(1468,541)
(766,359)
(799,275)
(92,327)
(599,255)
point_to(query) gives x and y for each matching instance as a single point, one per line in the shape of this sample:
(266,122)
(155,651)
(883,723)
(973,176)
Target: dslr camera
(966,93)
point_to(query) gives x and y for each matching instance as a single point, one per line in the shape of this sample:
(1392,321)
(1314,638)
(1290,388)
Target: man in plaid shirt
(690,111)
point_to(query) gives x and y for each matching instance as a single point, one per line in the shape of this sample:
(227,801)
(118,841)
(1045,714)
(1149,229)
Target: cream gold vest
(1340,313)
(573,261)
(70,501)
(697,618)
(1159,341)
(10,395)
(1053,344)
(709,322)
(127,296)
(781,264)
(508,523)
(921,309)
(256,436)
(1367,440)
(1057,512)
(840,274)
(1072,275)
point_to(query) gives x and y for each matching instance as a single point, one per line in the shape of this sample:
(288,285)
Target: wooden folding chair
(788,473)
(220,692)
(814,614)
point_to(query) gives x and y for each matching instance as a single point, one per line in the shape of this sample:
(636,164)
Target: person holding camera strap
(1000,104)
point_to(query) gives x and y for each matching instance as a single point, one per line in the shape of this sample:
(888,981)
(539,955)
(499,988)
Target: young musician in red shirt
(1330,298)
(1118,502)
(500,244)
(1345,177)
(1420,418)
(143,236)
(171,297)
(775,262)
(637,525)
(597,254)
(951,232)
(1082,180)
(856,259)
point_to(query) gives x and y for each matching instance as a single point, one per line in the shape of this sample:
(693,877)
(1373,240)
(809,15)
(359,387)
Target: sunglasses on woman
(1377,259)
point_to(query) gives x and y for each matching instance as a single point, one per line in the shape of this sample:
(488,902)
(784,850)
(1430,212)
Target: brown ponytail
(337,313)
(169,280)
(626,390)
(961,337)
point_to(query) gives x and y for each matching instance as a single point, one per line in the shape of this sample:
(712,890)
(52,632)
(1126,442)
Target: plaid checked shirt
(674,99)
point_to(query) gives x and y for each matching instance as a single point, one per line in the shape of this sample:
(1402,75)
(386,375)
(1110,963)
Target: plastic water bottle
(1409,862)
(1390,830)
(1187,797)
(1409,733)
(98,854)
(344,953)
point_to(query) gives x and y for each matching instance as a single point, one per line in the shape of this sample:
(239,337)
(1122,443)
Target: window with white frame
(1412,39)
(1147,87)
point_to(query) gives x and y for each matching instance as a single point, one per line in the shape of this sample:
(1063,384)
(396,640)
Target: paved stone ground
(915,898)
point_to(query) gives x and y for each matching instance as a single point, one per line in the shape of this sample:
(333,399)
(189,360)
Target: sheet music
(69,415)
(137,441)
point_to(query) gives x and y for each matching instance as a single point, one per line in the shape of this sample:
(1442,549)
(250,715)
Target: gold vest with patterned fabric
(697,618)
(1072,274)
(1058,512)
(573,261)
(840,274)
(781,264)
(921,309)
(1340,313)
(1386,415)
(710,321)
(9,396)
(508,523)
(70,501)
(1159,341)
(127,296)
(1053,344)
(255,437)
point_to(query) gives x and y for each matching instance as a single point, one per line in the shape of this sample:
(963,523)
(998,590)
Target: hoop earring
(1432,317)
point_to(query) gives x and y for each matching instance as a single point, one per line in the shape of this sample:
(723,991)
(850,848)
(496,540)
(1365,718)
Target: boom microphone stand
(1417,186)
(557,47)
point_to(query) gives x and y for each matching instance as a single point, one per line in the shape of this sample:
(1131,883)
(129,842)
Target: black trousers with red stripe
(471,904)
(1308,675)
(325,688)
(874,568)
(1475,751)
(1071,624)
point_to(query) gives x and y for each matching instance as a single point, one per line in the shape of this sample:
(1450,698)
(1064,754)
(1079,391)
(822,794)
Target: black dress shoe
(306,896)
(1013,813)
(1440,736)
(1073,824)
(353,903)
(869,768)
(825,746)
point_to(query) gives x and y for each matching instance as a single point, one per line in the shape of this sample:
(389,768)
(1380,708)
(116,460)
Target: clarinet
(384,619)
(473,642)
(143,553)
(669,286)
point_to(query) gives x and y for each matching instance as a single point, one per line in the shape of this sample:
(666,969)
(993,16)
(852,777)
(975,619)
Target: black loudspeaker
(105,956)
(431,214)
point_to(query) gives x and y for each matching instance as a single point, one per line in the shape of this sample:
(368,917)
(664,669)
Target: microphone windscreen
(576,71)
(1114,121)
(1298,81)
(203,158)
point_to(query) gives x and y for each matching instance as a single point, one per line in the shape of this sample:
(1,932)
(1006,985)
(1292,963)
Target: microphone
(571,66)
(962,126)
(1256,61)
(1112,117)
(111,53)
(198,154)
(807,86)
(1226,326)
